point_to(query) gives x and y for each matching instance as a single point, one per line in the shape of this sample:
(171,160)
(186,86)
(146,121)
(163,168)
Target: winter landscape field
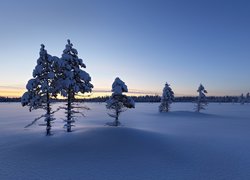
(181,144)
(125,90)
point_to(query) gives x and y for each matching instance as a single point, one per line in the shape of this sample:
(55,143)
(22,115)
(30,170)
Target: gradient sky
(145,43)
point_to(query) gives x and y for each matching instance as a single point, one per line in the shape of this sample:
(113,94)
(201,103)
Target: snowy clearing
(182,144)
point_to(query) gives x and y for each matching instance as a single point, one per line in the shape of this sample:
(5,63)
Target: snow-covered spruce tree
(242,99)
(202,99)
(248,98)
(118,102)
(41,88)
(166,99)
(71,80)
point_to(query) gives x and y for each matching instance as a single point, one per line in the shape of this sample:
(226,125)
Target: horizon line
(17,91)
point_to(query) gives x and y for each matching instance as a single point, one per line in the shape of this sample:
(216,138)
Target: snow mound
(120,153)
(187,114)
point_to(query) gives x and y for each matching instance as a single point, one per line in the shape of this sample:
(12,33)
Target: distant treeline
(142,99)
(177,99)
(7,99)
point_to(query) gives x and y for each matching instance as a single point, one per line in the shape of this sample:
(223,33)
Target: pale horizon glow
(14,92)
(144,42)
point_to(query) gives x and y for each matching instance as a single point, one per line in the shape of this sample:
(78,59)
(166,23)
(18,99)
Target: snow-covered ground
(182,144)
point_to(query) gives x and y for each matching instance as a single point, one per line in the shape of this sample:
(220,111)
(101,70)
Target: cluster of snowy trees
(168,97)
(65,76)
(55,76)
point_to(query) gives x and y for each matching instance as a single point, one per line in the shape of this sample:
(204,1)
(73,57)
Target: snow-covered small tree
(166,99)
(248,98)
(242,99)
(118,102)
(71,80)
(41,88)
(202,99)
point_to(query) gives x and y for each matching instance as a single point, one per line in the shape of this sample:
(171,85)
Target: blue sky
(145,43)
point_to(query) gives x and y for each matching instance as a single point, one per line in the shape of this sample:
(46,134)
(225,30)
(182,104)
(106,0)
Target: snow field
(181,144)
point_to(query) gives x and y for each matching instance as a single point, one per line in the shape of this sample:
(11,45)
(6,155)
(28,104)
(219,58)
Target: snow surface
(181,144)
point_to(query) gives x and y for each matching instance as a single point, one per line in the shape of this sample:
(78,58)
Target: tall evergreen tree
(41,88)
(166,99)
(71,80)
(118,102)
(202,99)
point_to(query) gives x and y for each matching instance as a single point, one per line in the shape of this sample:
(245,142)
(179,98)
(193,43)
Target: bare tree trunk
(198,106)
(48,118)
(69,111)
(116,118)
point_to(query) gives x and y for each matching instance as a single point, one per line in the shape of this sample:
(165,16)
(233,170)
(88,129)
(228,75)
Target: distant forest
(146,98)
